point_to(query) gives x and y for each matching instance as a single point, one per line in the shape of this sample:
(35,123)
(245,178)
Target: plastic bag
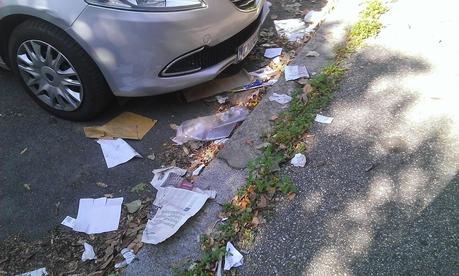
(212,127)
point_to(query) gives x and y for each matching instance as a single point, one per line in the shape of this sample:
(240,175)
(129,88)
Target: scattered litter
(101,184)
(88,253)
(97,215)
(233,258)
(254,85)
(323,119)
(312,54)
(221,99)
(211,127)
(108,195)
(219,271)
(264,73)
(293,72)
(151,156)
(23,151)
(217,86)
(299,160)
(133,206)
(127,125)
(173,126)
(27,186)
(117,152)
(280,98)
(263,145)
(128,256)
(273,52)
(198,170)
(313,17)
(177,199)
(38,272)
(69,222)
(292,29)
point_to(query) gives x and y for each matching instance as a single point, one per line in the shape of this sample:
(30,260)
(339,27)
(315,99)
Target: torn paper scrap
(177,206)
(69,222)
(233,258)
(323,119)
(299,160)
(117,152)
(198,170)
(294,72)
(169,177)
(292,29)
(256,84)
(312,54)
(88,253)
(98,215)
(127,125)
(264,73)
(211,127)
(273,52)
(128,256)
(280,98)
(221,99)
(39,272)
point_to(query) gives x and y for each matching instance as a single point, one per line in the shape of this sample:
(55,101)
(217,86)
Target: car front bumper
(132,48)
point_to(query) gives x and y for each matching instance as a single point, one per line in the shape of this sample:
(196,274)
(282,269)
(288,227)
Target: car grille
(245,4)
(205,57)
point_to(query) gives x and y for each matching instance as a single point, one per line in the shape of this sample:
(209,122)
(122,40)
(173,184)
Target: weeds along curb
(243,213)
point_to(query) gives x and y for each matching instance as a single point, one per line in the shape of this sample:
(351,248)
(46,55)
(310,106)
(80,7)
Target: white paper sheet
(69,222)
(294,72)
(280,98)
(233,258)
(128,256)
(323,119)
(273,52)
(88,253)
(117,152)
(98,215)
(39,272)
(177,206)
(299,160)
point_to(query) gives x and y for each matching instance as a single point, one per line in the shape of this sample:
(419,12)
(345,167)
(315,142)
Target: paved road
(380,192)
(61,165)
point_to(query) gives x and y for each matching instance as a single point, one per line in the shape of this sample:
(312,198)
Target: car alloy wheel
(49,75)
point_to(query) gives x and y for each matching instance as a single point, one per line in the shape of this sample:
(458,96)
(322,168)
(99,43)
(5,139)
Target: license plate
(247,47)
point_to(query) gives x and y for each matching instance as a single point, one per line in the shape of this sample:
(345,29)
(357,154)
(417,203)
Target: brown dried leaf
(262,202)
(291,196)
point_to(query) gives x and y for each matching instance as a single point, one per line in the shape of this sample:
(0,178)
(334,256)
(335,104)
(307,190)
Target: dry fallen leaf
(151,156)
(274,117)
(291,196)
(307,88)
(262,202)
(173,126)
(186,150)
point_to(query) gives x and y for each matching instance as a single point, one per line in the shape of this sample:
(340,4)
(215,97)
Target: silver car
(74,56)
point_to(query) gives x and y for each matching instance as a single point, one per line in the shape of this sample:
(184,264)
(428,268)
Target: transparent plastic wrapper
(212,127)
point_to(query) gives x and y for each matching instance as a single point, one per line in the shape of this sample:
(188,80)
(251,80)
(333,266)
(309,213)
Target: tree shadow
(379,193)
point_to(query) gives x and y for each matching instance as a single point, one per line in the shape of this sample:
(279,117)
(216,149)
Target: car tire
(44,58)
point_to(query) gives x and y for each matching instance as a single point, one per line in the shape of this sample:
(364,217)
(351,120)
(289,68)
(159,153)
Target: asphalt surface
(61,166)
(380,192)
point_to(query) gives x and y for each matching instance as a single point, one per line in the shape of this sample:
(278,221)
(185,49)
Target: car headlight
(150,5)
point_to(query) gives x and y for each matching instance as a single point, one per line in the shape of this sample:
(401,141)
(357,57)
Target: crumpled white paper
(117,151)
(273,52)
(294,72)
(323,119)
(233,258)
(98,215)
(129,257)
(88,253)
(299,160)
(280,98)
